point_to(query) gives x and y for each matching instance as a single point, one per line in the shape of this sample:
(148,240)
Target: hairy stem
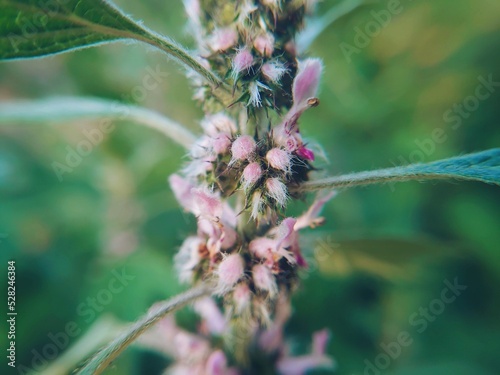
(73,109)
(105,356)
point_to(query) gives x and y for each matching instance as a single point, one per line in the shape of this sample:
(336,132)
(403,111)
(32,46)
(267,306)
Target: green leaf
(482,166)
(62,110)
(98,363)
(34,28)
(316,27)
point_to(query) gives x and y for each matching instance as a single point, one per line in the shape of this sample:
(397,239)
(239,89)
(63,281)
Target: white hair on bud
(253,90)
(277,190)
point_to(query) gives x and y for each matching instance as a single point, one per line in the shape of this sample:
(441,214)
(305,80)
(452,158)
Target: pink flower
(218,123)
(288,365)
(305,87)
(230,271)
(213,319)
(221,144)
(182,191)
(264,279)
(264,44)
(223,39)
(271,339)
(305,153)
(306,82)
(216,363)
(251,174)
(311,217)
(279,159)
(241,297)
(206,204)
(242,148)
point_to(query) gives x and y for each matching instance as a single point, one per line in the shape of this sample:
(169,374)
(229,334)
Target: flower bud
(253,90)
(279,159)
(206,204)
(243,147)
(242,61)
(221,144)
(256,204)
(251,174)
(264,279)
(230,271)
(264,43)
(223,39)
(241,297)
(277,190)
(218,123)
(273,71)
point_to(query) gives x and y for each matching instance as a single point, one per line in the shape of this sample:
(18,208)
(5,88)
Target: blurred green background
(389,249)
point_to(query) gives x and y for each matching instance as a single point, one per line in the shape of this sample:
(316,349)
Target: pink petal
(311,217)
(182,191)
(212,316)
(300,365)
(206,204)
(216,363)
(306,82)
(305,153)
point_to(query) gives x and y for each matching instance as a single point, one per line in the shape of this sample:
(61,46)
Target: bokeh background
(389,248)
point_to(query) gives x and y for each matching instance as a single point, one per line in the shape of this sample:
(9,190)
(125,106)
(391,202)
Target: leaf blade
(481,166)
(28,30)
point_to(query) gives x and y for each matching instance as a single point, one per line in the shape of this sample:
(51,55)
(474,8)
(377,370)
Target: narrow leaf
(317,26)
(33,28)
(482,166)
(98,363)
(62,110)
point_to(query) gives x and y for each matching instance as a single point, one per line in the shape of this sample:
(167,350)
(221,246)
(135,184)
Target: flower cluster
(242,172)
(197,354)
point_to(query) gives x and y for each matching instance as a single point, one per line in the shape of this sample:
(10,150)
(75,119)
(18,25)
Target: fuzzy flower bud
(256,204)
(242,61)
(223,39)
(278,159)
(264,44)
(253,90)
(243,147)
(264,279)
(273,71)
(251,174)
(241,297)
(230,270)
(277,190)
(221,144)
(218,123)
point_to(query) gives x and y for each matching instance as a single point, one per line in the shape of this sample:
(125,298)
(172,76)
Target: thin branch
(105,356)
(71,109)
